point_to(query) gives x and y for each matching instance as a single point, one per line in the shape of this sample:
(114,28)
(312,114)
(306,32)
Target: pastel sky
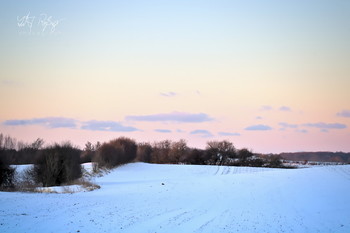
(271,76)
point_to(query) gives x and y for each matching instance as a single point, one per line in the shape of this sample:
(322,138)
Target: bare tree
(220,152)
(9,143)
(37,144)
(160,153)
(144,152)
(178,151)
(58,164)
(1,141)
(89,147)
(88,153)
(97,146)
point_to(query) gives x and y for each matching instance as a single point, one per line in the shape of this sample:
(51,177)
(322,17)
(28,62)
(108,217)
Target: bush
(196,156)
(108,156)
(6,175)
(58,164)
(128,146)
(274,161)
(116,152)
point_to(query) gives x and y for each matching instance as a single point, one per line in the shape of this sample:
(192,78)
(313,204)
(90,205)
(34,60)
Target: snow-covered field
(142,197)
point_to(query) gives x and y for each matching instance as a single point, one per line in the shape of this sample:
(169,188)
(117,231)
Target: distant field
(143,197)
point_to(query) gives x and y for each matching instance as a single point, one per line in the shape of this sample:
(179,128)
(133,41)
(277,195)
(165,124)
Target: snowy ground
(179,198)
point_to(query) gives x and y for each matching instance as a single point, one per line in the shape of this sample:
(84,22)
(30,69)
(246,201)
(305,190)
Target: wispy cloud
(270,108)
(180,117)
(287,125)
(322,125)
(112,126)
(228,134)
(258,118)
(168,94)
(266,108)
(344,113)
(49,122)
(63,122)
(285,109)
(163,130)
(202,132)
(301,131)
(258,127)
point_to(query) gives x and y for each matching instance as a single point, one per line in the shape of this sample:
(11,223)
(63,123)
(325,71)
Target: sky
(270,76)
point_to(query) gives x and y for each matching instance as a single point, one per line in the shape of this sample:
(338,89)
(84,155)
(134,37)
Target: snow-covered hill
(142,197)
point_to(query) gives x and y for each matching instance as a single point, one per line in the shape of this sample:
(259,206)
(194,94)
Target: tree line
(61,163)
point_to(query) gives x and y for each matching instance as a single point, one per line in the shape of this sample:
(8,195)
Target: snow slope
(142,197)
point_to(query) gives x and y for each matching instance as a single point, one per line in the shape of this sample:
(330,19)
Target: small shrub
(86,184)
(95,168)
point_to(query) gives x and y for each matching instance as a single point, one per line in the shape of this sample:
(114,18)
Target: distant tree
(196,156)
(177,152)
(88,153)
(38,144)
(21,145)
(28,152)
(8,148)
(9,143)
(243,155)
(220,152)
(97,145)
(89,146)
(160,152)
(144,152)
